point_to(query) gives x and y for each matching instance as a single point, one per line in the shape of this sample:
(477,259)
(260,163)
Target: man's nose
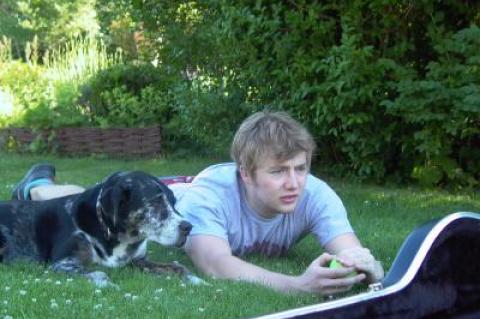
(292,179)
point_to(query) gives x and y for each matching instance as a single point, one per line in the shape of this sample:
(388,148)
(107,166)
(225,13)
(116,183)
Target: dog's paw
(194,280)
(101,280)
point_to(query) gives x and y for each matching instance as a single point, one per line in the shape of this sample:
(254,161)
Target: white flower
(69,279)
(68,302)
(134,297)
(53,305)
(58,282)
(156,298)
(37,280)
(23,292)
(25,282)
(201,309)
(98,291)
(7,288)
(34,299)
(128,295)
(98,306)
(159,290)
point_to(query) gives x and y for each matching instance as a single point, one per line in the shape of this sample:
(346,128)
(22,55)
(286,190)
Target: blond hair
(272,134)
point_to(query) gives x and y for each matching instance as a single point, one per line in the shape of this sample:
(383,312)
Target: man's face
(276,186)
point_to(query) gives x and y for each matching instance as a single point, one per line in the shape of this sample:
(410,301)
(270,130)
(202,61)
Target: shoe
(39,174)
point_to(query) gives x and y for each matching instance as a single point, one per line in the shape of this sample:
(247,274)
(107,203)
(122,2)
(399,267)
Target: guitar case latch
(377,286)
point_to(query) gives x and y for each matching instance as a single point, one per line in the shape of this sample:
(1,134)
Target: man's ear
(245,175)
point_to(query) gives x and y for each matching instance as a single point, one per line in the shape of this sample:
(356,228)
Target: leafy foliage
(442,112)
(128,95)
(45,95)
(39,103)
(389,89)
(53,21)
(343,69)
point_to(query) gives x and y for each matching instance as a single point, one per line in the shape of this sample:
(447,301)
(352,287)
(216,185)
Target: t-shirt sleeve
(327,214)
(203,209)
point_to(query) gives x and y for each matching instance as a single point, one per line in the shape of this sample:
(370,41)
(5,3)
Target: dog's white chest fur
(121,254)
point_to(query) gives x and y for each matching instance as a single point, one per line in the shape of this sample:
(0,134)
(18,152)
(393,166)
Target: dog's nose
(185,227)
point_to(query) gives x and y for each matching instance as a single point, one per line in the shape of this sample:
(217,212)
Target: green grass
(381,216)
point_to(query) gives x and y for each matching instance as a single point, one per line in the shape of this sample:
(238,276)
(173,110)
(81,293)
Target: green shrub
(441,113)
(129,95)
(45,96)
(343,109)
(37,101)
(345,69)
(30,91)
(208,113)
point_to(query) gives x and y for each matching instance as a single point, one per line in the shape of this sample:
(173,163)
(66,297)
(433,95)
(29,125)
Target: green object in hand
(335,264)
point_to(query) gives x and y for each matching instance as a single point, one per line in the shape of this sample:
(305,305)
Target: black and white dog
(108,224)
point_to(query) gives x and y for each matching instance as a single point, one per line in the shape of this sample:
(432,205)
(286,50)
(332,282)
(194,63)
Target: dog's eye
(154,200)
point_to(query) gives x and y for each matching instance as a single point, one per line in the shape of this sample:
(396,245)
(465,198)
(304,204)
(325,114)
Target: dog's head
(140,206)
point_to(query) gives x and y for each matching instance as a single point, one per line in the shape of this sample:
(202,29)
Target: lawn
(381,216)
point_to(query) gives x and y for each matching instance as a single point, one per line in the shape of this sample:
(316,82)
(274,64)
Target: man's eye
(276,172)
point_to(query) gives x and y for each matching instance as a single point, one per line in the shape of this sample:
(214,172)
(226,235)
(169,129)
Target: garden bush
(38,102)
(129,95)
(208,113)
(389,89)
(345,70)
(441,113)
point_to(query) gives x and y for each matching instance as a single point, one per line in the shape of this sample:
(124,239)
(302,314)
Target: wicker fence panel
(124,142)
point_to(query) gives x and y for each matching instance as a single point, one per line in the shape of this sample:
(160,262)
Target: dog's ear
(114,200)
(120,198)
(167,191)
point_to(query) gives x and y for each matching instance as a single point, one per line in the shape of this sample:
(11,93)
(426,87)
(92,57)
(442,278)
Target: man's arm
(351,253)
(213,256)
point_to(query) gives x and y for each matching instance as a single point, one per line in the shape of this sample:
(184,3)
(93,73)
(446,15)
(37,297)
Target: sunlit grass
(5,50)
(79,59)
(381,216)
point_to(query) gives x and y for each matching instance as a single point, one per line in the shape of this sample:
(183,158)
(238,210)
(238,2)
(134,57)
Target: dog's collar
(99,208)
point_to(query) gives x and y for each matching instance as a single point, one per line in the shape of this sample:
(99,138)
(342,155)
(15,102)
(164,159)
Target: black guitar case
(435,274)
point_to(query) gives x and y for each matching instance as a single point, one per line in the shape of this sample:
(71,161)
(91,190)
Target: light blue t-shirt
(215,205)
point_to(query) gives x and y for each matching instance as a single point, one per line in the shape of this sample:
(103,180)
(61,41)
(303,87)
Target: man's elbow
(214,266)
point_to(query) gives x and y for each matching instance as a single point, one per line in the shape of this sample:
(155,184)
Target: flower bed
(124,142)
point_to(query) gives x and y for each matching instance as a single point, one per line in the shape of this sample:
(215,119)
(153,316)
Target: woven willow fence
(123,142)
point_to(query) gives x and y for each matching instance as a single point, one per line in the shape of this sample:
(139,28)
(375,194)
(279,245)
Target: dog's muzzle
(185,228)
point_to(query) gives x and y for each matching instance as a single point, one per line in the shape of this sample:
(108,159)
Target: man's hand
(362,260)
(319,278)
(213,256)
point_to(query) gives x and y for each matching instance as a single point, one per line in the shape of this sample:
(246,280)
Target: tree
(52,21)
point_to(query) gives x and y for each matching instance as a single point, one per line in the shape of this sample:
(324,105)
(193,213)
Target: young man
(263,203)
